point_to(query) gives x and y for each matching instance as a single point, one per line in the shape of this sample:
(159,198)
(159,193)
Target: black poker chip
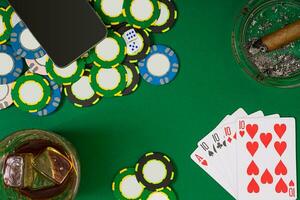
(146,43)
(81,93)
(133,78)
(155,171)
(167,18)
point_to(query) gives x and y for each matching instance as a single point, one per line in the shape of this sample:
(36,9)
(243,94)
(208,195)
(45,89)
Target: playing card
(266,153)
(208,150)
(228,152)
(230,130)
(196,156)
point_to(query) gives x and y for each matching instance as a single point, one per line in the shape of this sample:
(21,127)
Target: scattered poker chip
(11,66)
(108,82)
(165,194)
(125,186)
(67,75)
(55,100)
(141,13)
(5,27)
(38,66)
(110,11)
(24,43)
(14,19)
(138,43)
(167,17)
(110,52)
(5,96)
(31,92)
(155,171)
(133,78)
(81,93)
(160,66)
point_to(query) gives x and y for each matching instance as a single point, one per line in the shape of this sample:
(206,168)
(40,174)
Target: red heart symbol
(242,133)
(291,184)
(280,147)
(280,129)
(204,162)
(281,187)
(252,130)
(252,147)
(266,138)
(252,169)
(201,160)
(266,178)
(281,169)
(234,136)
(253,187)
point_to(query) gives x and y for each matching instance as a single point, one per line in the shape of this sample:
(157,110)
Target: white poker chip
(108,82)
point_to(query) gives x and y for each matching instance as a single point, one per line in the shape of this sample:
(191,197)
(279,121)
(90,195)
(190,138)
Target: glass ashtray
(278,68)
(36,164)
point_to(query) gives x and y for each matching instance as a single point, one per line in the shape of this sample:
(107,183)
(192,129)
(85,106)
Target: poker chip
(167,17)
(5,27)
(31,92)
(108,82)
(110,11)
(54,102)
(110,52)
(5,96)
(38,66)
(165,194)
(125,186)
(24,43)
(11,66)
(137,41)
(132,77)
(81,93)
(155,171)
(160,66)
(14,19)
(141,13)
(66,75)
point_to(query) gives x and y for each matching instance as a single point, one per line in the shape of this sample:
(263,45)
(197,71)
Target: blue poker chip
(24,43)
(161,65)
(11,66)
(54,103)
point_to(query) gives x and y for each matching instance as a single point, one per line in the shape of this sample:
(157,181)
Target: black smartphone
(66,29)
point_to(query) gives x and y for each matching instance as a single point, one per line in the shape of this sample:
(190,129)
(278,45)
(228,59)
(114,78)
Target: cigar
(278,39)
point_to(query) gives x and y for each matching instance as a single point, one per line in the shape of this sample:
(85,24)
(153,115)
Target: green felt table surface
(171,118)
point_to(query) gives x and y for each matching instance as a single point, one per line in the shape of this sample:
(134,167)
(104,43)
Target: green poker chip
(67,75)
(141,13)
(165,194)
(110,11)
(31,92)
(14,19)
(108,82)
(110,52)
(5,26)
(125,186)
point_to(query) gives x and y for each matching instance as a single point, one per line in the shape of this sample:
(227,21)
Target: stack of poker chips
(31,81)
(150,179)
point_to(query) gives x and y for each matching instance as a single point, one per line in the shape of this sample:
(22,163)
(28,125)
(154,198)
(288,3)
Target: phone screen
(66,29)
